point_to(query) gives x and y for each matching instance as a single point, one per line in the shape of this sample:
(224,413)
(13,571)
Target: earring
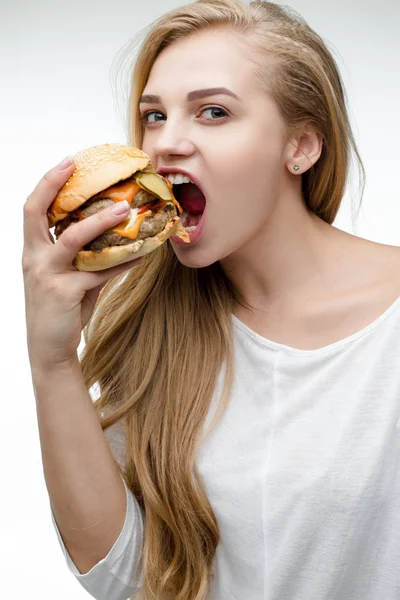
(296,167)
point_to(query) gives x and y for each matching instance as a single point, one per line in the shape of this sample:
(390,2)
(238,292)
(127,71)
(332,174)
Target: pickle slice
(154,184)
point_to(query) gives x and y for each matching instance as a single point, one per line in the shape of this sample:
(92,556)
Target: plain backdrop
(56,98)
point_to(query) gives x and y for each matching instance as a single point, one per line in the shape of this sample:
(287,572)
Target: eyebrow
(196,95)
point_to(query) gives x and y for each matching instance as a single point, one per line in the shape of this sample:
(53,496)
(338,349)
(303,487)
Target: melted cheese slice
(119,192)
(129,227)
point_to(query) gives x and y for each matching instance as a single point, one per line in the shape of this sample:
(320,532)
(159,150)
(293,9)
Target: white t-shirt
(302,472)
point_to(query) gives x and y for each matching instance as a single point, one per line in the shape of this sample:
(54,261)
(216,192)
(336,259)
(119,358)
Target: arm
(87,494)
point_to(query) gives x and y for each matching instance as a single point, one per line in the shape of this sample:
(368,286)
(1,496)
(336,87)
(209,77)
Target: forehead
(210,58)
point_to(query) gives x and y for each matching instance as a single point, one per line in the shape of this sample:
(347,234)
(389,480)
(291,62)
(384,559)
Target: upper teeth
(177,178)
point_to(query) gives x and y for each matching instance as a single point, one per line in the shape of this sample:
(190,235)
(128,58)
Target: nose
(172,140)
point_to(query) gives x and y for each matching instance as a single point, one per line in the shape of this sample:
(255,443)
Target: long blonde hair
(161,334)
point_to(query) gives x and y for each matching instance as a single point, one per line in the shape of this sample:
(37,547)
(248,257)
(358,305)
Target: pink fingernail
(65,163)
(120,208)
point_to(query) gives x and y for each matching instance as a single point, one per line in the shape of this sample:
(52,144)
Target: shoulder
(371,275)
(384,270)
(370,278)
(388,263)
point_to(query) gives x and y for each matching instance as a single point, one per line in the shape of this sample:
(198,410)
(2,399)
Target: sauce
(129,228)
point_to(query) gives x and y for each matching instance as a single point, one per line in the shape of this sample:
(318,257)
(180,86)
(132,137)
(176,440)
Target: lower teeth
(185,216)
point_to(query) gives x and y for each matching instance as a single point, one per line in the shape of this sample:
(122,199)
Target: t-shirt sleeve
(119,575)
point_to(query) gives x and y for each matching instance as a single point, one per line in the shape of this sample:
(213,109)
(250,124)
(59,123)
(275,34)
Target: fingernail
(65,163)
(120,208)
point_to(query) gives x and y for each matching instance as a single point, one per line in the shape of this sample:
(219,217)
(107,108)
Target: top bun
(97,168)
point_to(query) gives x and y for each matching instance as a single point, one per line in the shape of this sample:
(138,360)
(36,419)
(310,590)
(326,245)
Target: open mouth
(193,203)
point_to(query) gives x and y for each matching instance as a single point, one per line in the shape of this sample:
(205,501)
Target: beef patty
(151,226)
(92,206)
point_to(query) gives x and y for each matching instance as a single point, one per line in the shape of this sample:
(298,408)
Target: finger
(36,227)
(77,235)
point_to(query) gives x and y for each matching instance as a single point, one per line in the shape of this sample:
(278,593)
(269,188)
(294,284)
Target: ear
(304,149)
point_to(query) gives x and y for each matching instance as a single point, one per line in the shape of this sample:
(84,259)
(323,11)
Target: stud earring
(296,167)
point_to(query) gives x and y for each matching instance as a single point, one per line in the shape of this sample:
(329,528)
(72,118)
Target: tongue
(191,198)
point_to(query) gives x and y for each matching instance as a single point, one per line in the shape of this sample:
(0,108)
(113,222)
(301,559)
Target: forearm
(86,492)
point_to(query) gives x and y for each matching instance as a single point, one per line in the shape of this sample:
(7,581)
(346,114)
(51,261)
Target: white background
(56,98)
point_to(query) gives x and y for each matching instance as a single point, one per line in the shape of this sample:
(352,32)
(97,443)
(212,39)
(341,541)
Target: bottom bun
(88,260)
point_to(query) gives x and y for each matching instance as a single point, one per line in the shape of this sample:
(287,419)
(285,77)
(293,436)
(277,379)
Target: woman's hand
(59,299)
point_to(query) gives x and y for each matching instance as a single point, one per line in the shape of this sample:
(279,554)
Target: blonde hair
(162,333)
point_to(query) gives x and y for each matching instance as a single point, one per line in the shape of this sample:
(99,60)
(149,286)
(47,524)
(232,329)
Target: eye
(216,110)
(145,118)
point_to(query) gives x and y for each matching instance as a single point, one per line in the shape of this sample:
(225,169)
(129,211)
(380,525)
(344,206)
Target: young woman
(245,443)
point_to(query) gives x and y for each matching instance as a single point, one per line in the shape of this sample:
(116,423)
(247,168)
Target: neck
(294,255)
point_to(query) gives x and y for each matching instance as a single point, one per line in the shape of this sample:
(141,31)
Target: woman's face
(233,143)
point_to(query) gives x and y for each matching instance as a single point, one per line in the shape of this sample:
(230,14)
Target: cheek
(146,147)
(247,183)
(249,161)
(246,191)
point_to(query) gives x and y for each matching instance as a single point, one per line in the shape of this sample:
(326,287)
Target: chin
(194,258)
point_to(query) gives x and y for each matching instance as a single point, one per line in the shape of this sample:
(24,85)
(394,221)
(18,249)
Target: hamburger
(112,173)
